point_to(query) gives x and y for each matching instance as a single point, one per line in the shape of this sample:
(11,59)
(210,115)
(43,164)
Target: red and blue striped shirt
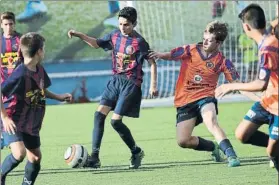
(128,54)
(27,107)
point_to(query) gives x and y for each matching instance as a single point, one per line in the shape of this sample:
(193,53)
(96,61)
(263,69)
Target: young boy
(266,110)
(201,65)
(123,92)
(22,117)
(9,49)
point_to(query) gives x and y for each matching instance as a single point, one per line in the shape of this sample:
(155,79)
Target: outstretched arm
(91,41)
(160,55)
(60,97)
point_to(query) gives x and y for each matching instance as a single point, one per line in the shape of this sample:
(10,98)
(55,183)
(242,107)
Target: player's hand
(154,54)
(222,90)
(9,125)
(65,97)
(71,33)
(153,92)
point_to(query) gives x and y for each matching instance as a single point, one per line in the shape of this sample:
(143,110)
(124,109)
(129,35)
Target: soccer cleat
(216,154)
(92,162)
(271,164)
(33,9)
(136,160)
(233,161)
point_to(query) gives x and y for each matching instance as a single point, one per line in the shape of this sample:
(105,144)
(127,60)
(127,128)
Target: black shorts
(193,110)
(123,96)
(30,142)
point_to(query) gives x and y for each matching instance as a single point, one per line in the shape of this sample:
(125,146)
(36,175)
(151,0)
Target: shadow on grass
(246,161)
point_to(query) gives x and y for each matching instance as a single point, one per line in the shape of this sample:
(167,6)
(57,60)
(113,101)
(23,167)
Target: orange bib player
(265,110)
(201,66)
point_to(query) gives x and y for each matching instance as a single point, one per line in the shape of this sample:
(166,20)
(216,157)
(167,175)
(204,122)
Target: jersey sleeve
(229,71)
(14,84)
(47,81)
(105,42)
(267,64)
(180,53)
(144,49)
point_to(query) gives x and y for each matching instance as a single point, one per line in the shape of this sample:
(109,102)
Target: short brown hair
(219,29)
(8,15)
(30,43)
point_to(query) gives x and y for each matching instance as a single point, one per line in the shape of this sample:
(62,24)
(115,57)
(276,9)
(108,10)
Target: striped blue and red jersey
(9,54)
(27,107)
(128,54)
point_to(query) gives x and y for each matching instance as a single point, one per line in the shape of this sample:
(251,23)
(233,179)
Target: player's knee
(242,137)
(116,123)
(99,117)
(19,155)
(35,158)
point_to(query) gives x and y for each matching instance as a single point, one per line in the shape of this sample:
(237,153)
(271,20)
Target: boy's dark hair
(8,15)
(128,13)
(219,29)
(30,43)
(253,15)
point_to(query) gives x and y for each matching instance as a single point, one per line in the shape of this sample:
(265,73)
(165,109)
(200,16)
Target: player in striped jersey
(123,92)
(9,50)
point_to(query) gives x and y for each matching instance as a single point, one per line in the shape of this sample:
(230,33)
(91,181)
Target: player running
(266,110)
(201,66)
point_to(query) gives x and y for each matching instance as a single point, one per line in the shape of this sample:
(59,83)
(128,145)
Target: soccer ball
(75,156)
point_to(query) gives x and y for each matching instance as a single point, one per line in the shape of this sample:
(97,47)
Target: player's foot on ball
(233,162)
(136,160)
(92,162)
(216,154)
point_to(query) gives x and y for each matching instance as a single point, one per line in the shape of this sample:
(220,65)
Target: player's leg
(186,119)
(17,155)
(128,104)
(273,143)
(34,156)
(107,103)
(97,135)
(247,131)
(209,116)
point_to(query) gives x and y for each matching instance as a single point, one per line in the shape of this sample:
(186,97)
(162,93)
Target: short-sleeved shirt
(27,105)
(269,59)
(128,54)
(9,55)
(198,76)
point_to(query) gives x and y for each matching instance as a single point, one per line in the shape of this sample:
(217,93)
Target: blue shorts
(258,115)
(30,142)
(123,96)
(193,110)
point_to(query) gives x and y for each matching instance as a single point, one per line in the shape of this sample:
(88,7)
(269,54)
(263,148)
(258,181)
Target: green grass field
(164,163)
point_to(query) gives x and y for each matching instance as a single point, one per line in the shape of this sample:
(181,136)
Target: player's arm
(232,76)
(91,41)
(10,87)
(59,97)
(160,55)
(179,53)
(153,81)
